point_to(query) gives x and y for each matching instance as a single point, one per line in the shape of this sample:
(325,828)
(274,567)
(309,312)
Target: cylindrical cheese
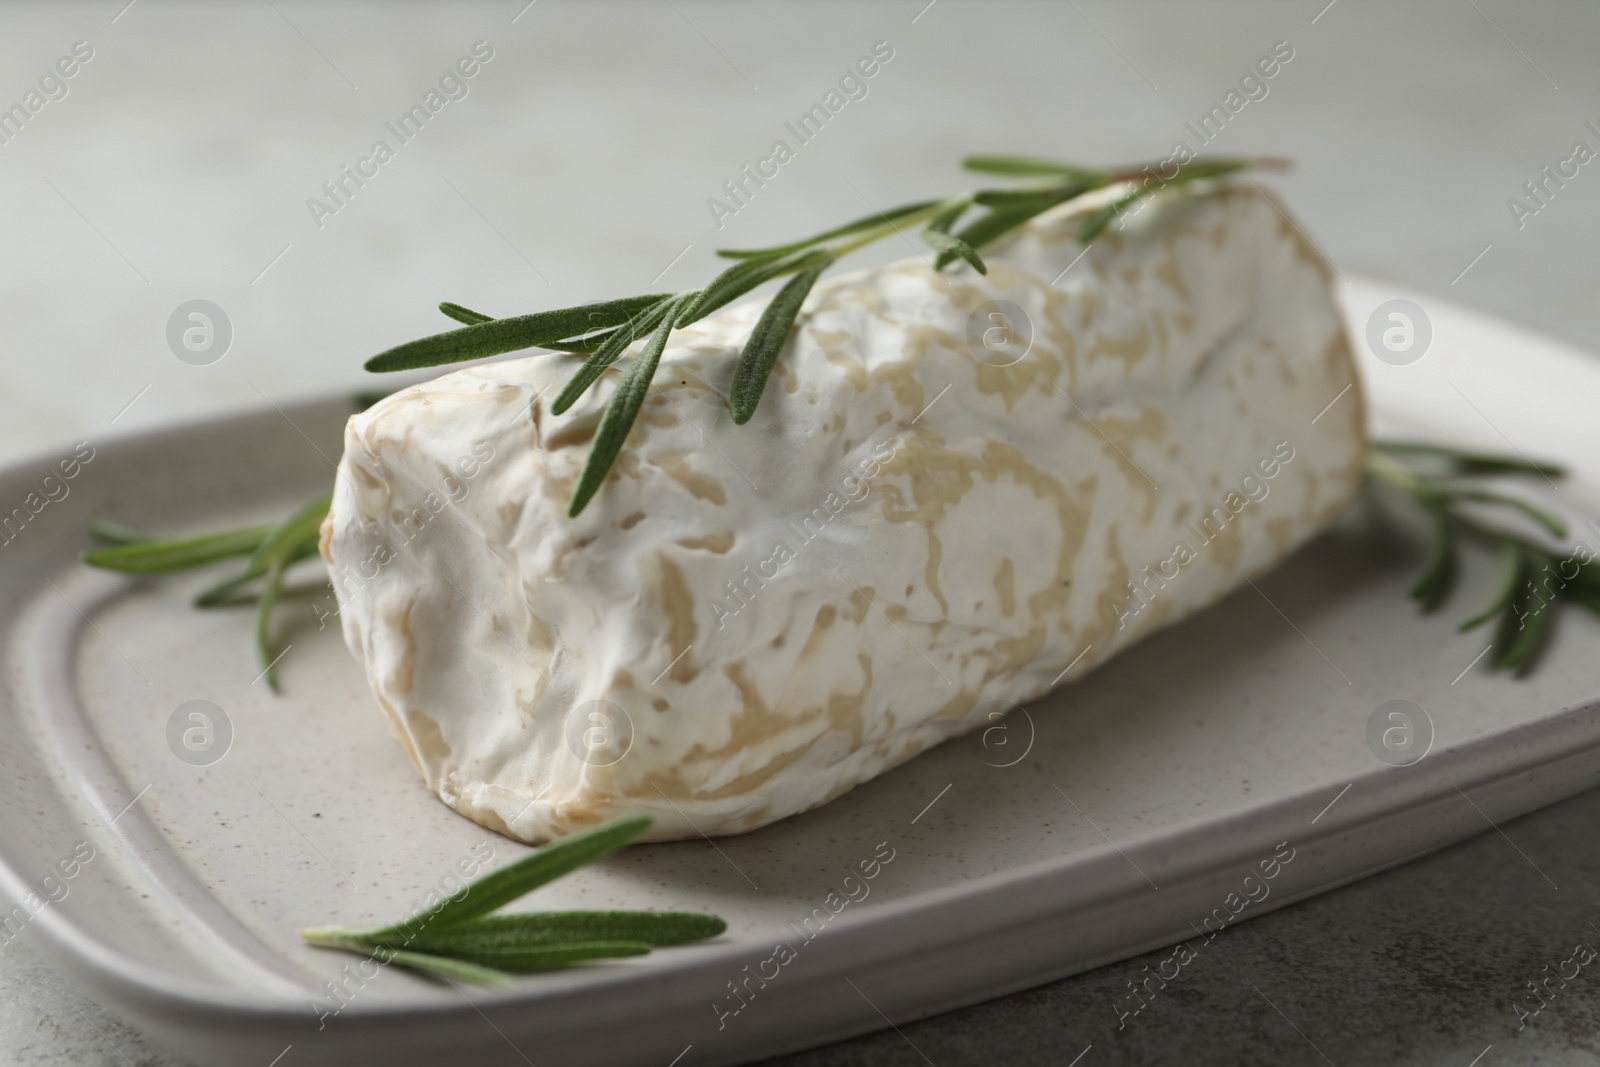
(954,487)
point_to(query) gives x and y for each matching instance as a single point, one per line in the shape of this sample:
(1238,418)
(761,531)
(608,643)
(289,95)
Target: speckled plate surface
(1111,818)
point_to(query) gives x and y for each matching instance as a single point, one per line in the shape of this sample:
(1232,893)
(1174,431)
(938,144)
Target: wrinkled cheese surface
(955,487)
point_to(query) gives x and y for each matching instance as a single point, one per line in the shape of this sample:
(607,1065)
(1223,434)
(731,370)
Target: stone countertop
(1420,965)
(180,162)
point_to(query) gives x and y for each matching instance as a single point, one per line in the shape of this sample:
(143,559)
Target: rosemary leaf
(732,283)
(989,227)
(620,413)
(1505,591)
(767,340)
(1544,518)
(948,245)
(1531,585)
(583,345)
(1025,199)
(466,315)
(609,352)
(293,539)
(937,234)
(532,929)
(471,317)
(1201,169)
(744,276)
(1098,219)
(949,213)
(1025,165)
(1433,588)
(160,557)
(227,593)
(449,969)
(1470,462)
(460,939)
(457,952)
(860,225)
(242,597)
(1528,620)
(546,957)
(498,336)
(544,864)
(290,535)
(114,533)
(271,549)
(508,955)
(1505,634)
(269,597)
(438,966)
(1588,597)
(1588,576)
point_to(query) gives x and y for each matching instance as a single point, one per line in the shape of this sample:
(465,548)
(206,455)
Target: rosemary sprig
(604,332)
(1533,574)
(272,549)
(955,228)
(460,939)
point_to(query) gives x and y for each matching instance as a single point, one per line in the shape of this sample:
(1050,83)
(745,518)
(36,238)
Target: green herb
(493,337)
(604,332)
(114,533)
(272,549)
(460,939)
(767,340)
(1534,575)
(150,556)
(622,410)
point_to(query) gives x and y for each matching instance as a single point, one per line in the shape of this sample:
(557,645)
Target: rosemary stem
(333,936)
(878,233)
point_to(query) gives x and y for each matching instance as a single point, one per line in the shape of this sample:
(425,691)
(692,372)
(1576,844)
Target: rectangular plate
(1110,818)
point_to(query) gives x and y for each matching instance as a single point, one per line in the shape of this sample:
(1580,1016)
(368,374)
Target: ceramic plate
(1219,770)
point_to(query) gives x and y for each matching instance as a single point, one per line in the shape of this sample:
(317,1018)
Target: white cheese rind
(903,539)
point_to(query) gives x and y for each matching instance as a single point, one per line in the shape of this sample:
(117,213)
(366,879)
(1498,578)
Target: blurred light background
(177,162)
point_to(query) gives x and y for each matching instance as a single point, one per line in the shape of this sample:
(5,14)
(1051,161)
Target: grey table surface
(179,164)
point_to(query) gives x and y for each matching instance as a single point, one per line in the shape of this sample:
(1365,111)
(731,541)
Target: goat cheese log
(954,487)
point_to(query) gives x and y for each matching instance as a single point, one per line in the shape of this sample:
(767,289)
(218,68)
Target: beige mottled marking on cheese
(1193,339)
(1005,585)
(678,605)
(718,541)
(699,484)
(425,734)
